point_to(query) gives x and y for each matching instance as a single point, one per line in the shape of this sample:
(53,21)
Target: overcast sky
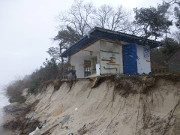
(27,28)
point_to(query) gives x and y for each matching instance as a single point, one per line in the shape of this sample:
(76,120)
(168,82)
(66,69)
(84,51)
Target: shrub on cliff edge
(49,71)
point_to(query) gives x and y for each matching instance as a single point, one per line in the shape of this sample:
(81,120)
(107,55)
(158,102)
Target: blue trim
(99,33)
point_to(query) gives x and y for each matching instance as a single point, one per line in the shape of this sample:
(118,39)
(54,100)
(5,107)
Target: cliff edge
(128,105)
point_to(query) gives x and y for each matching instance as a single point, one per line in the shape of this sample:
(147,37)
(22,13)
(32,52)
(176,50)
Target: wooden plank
(112,64)
(105,60)
(110,52)
(95,80)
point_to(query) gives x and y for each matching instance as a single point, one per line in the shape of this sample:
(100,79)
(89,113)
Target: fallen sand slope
(124,108)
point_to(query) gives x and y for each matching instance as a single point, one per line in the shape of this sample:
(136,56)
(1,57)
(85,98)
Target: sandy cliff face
(119,107)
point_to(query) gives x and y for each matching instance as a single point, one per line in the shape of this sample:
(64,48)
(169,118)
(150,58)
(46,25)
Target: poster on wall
(146,52)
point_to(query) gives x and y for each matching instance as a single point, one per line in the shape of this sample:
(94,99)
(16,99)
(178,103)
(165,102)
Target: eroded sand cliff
(123,106)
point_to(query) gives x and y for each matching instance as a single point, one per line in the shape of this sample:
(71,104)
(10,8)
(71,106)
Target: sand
(105,110)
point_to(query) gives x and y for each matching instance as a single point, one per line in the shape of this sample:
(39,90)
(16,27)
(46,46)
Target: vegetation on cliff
(33,82)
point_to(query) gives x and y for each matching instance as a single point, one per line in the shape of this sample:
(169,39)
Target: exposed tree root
(171,114)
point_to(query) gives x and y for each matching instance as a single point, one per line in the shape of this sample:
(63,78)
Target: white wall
(107,50)
(78,62)
(78,58)
(143,60)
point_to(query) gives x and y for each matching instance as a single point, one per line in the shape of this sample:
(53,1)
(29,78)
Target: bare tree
(54,53)
(84,16)
(79,17)
(116,19)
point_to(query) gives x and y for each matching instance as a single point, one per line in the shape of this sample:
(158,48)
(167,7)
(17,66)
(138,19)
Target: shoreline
(4,119)
(15,120)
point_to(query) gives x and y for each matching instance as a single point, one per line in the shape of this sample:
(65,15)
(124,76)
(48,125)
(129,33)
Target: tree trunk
(62,62)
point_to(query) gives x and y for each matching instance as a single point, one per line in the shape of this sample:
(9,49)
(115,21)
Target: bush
(14,91)
(33,88)
(49,71)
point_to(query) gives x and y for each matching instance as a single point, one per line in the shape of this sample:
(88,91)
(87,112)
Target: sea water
(3,102)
